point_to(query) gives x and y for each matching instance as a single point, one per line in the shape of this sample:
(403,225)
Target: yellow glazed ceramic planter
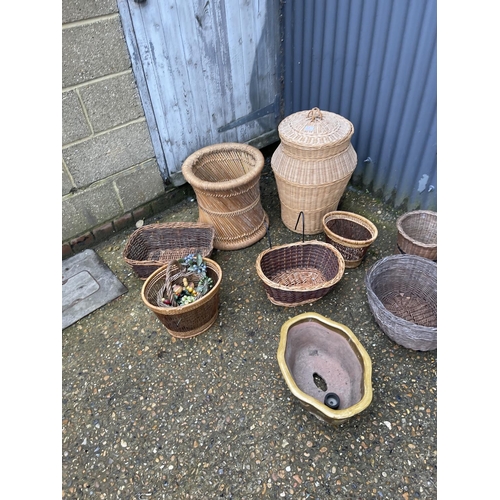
(318,357)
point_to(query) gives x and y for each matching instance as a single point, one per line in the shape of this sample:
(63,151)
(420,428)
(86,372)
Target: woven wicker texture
(226,181)
(351,234)
(312,165)
(299,273)
(315,134)
(188,320)
(402,295)
(174,275)
(150,247)
(417,233)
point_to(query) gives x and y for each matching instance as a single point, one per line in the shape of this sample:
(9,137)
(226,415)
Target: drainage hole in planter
(320,382)
(332,400)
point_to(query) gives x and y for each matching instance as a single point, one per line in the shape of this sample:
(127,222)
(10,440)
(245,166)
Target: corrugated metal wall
(373,62)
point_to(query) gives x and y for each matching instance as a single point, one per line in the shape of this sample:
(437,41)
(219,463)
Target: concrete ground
(145,415)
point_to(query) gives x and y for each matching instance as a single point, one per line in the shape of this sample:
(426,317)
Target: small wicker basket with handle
(351,234)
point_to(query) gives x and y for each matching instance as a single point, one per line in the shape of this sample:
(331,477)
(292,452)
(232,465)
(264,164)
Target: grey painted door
(208,71)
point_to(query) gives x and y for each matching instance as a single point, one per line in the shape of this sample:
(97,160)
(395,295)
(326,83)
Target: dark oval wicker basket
(299,273)
(402,295)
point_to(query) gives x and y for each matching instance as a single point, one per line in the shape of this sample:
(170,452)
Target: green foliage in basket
(189,293)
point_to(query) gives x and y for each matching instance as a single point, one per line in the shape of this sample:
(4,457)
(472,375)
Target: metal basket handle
(268,235)
(303,223)
(303,229)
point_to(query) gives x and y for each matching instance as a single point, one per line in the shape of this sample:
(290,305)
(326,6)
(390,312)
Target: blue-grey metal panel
(207,72)
(373,62)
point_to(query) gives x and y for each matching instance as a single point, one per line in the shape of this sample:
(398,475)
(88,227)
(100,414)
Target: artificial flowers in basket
(195,307)
(186,281)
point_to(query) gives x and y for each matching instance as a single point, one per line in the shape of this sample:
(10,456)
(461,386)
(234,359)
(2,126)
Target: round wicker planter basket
(226,180)
(417,233)
(402,295)
(188,320)
(350,234)
(299,273)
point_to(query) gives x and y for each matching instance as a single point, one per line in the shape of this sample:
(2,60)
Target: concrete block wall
(110,176)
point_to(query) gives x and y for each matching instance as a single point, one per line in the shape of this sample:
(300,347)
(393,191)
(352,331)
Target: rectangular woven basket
(150,247)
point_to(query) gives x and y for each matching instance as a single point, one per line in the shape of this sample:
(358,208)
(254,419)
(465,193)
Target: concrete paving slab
(87,284)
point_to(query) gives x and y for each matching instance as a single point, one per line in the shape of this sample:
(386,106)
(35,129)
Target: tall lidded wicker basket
(312,166)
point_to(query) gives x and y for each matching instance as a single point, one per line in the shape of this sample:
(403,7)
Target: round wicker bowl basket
(299,273)
(226,180)
(351,234)
(188,320)
(402,295)
(417,233)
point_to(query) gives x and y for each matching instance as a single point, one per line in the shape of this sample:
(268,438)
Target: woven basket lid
(315,134)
